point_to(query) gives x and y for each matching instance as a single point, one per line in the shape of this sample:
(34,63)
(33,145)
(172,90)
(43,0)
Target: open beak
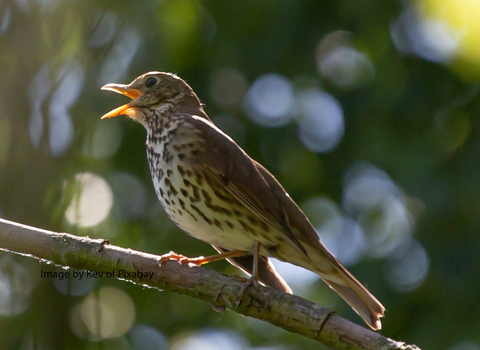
(126,109)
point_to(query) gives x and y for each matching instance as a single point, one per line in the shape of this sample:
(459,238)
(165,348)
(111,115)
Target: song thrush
(215,192)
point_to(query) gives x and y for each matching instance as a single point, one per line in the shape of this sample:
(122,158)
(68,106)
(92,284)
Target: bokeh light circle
(91,202)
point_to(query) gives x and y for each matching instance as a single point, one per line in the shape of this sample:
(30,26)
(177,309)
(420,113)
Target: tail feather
(361,301)
(348,287)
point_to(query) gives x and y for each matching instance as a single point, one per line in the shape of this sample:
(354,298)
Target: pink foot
(182,259)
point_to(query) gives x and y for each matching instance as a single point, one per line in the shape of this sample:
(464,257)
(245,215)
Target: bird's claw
(182,259)
(252,282)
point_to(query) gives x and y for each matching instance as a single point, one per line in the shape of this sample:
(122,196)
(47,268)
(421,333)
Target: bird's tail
(354,293)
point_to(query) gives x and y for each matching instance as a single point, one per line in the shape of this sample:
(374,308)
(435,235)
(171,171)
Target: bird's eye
(150,82)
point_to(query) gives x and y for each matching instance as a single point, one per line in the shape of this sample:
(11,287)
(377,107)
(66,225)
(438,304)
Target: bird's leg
(253,281)
(201,259)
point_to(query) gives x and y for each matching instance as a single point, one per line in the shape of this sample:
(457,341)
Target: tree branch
(289,312)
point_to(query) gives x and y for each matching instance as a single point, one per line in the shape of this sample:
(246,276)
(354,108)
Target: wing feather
(231,166)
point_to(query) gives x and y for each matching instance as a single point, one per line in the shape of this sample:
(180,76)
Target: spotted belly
(205,210)
(197,203)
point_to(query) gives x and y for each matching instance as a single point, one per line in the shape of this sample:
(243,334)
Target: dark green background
(403,179)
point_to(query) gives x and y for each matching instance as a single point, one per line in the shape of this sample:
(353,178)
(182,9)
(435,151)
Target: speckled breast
(195,202)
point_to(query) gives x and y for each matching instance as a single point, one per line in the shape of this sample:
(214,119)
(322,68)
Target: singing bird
(216,193)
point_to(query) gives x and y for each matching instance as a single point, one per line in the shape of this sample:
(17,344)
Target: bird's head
(153,94)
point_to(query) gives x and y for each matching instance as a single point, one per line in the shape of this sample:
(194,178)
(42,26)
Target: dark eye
(150,82)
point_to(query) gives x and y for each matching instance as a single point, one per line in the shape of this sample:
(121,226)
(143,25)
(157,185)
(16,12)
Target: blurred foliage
(366,112)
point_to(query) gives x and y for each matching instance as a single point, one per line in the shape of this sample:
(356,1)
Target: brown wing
(253,185)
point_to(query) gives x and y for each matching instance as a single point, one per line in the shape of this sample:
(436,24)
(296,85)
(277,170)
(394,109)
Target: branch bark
(289,312)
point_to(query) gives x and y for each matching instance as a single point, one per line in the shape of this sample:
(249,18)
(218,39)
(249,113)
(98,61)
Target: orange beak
(126,109)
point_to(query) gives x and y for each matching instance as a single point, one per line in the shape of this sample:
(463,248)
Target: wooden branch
(289,312)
